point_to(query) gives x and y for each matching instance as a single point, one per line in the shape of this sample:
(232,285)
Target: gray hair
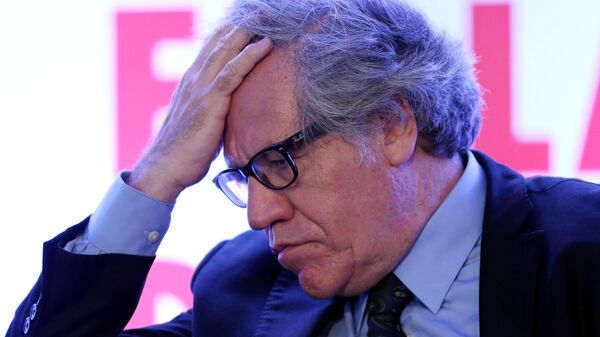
(357,59)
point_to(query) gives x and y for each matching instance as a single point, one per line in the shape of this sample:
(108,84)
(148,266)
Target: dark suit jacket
(540,276)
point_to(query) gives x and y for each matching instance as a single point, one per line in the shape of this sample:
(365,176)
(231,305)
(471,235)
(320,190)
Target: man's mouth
(280,247)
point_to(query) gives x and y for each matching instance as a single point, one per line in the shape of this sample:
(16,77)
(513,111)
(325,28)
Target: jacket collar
(510,254)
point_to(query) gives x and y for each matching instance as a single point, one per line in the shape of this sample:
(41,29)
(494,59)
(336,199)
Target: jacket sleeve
(81,295)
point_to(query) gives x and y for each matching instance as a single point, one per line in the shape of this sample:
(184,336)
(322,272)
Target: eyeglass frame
(294,142)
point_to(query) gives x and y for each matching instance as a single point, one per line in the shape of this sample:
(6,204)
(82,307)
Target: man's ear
(400,137)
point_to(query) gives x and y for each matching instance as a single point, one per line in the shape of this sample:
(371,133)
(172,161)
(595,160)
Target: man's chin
(321,273)
(321,286)
(313,284)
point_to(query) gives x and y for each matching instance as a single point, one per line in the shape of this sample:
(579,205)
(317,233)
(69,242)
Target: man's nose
(266,206)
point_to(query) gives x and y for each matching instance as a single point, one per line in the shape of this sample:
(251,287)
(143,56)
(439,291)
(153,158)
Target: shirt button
(33,311)
(153,236)
(26,325)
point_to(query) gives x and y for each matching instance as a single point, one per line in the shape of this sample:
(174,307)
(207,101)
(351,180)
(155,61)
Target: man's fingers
(209,45)
(234,71)
(228,47)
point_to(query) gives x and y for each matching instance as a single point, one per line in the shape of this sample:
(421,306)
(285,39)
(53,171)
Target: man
(347,126)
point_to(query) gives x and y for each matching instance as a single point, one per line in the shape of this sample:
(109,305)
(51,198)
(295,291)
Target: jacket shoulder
(565,206)
(541,184)
(568,212)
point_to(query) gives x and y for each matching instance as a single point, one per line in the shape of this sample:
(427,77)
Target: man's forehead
(280,63)
(263,109)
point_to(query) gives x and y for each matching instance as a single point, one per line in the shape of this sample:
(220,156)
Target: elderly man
(346,126)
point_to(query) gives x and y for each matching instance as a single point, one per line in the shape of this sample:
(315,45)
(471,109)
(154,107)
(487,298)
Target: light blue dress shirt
(441,269)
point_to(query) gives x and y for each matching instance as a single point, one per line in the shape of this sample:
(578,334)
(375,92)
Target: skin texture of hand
(191,135)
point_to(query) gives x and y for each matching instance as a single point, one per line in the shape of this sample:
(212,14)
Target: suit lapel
(290,312)
(510,255)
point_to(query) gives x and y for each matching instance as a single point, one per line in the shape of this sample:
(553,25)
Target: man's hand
(190,136)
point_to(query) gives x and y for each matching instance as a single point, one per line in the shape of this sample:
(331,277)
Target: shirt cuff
(127,221)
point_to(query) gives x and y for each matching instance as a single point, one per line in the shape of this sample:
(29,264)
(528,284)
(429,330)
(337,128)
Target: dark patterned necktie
(387,299)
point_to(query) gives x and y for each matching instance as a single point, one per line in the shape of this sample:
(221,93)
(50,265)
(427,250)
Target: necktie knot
(386,301)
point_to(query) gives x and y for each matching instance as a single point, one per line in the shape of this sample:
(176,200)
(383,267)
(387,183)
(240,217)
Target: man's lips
(280,242)
(292,256)
(280,247)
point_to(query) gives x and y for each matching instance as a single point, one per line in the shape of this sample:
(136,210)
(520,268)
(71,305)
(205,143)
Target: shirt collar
(443,246)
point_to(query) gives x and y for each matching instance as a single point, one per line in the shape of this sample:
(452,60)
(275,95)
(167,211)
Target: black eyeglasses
(273,166)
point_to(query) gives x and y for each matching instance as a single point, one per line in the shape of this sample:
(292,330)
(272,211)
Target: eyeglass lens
(235,187)
(272,168)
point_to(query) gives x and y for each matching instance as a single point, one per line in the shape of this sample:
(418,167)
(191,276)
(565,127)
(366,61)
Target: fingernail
(264,41)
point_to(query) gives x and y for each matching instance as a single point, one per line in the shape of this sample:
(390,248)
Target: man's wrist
(154,183)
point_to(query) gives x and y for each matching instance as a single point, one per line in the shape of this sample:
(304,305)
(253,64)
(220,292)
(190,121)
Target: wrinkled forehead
(263,109)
